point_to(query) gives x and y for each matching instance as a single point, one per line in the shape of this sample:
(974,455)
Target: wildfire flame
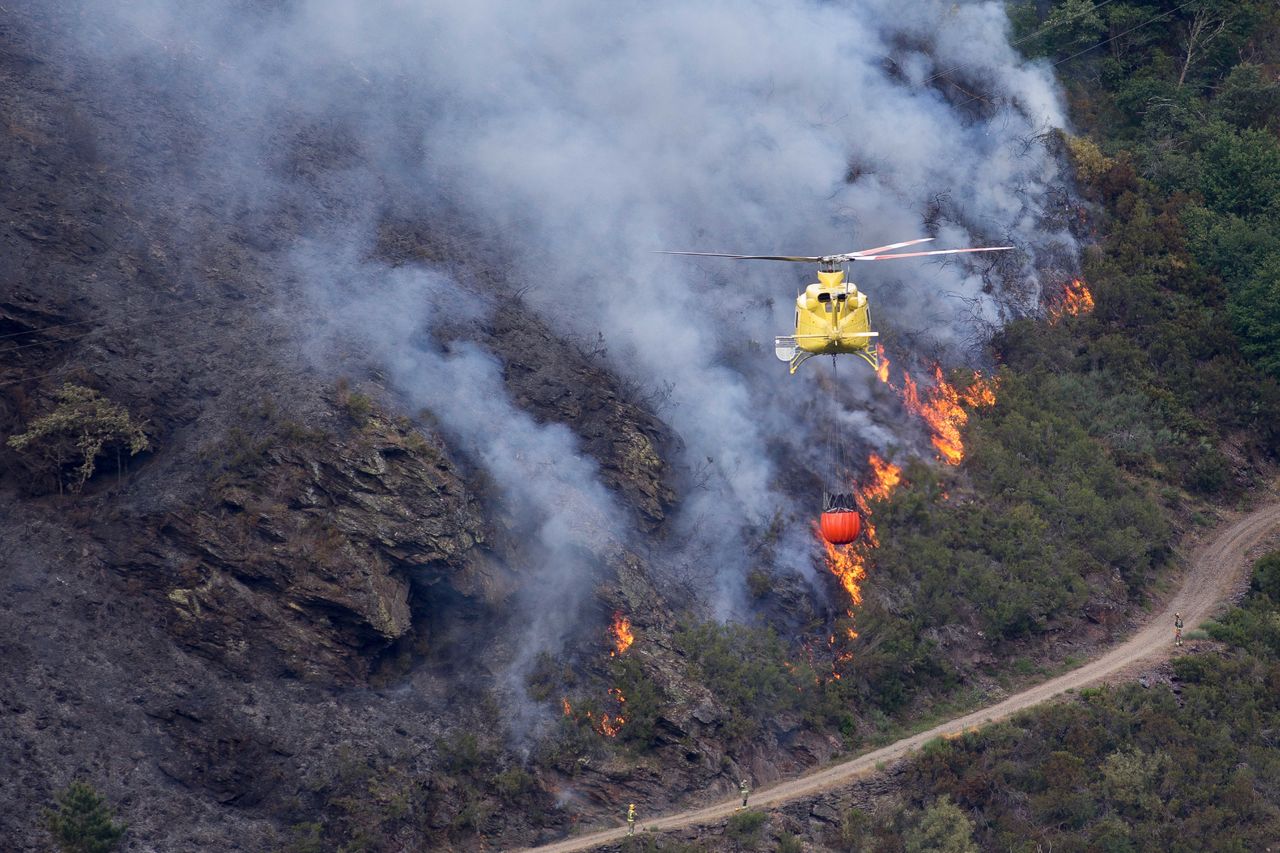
(849,562)
(849,566)
(882,371)
(942,408)
(885,476)
(1076,300)
(609,724)
(623,636)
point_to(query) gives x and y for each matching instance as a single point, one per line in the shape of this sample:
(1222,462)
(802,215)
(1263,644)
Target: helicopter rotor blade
(926,254)
(796,258)
(878,249)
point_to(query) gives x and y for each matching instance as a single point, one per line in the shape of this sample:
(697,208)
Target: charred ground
(286,620)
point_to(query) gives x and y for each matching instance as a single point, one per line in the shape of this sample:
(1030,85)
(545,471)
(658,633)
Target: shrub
(744,828)
(1266,576)
(83,424)
(82,822)
(943,828)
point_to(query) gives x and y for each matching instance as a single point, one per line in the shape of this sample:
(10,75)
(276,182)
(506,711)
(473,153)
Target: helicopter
(832,315)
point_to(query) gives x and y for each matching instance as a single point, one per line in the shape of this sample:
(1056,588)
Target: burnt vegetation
(342,548)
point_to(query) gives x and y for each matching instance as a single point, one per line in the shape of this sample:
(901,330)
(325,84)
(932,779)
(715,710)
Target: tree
(1255,308)
(1248,97)
(83,423)
(82,822)
(1073,27)
(943,828)
(1194,36)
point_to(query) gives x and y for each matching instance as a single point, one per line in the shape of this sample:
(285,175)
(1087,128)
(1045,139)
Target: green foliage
(943,828)
(759,583)
(788,843)
(1266,577)
(644,702)
(1126,768)
(745,668)
(1255,309)
(854,830)
(463,754)
(1187,97)
(513,783)
(82,822)
(1073,25)
(83,424)
(307,837)
(1239,170)
(743,828)
(359,407)
(1248,99)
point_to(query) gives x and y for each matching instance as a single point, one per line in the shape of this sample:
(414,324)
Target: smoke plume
(586,136)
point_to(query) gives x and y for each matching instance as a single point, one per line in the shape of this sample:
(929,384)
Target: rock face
(308,547)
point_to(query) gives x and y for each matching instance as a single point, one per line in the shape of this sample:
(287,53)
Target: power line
(1100,44)
(1017,42)
(104,328)
(195,342)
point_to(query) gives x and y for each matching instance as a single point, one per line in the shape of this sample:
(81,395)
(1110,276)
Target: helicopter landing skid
(786,350)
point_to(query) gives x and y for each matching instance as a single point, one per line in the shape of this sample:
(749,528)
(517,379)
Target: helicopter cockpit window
(824,297)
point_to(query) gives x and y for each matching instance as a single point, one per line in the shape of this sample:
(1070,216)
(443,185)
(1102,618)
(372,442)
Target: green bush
(1266,576)
(82,823)
(743,828)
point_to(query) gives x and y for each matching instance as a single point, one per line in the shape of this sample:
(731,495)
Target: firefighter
(631,819)
(745,791)
(1177,629)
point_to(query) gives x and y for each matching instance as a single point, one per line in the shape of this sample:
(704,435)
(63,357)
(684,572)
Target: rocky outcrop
(309,547)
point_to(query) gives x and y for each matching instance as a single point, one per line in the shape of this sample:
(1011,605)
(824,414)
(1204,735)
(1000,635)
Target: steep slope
(1218,575)
(395,494)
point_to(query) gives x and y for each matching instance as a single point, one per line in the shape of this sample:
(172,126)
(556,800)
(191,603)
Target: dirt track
(1217,571)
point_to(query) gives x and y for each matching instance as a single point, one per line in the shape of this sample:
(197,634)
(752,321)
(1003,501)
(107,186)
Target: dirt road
(1217,570)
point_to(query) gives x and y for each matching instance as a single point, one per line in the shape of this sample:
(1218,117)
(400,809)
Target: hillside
(429,511)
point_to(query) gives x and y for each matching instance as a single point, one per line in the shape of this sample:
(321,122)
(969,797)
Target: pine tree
(82,822)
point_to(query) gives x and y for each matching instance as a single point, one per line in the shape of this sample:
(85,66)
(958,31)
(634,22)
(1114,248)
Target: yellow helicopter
(832,316)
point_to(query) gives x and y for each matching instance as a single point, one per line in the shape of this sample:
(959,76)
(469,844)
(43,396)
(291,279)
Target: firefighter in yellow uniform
(631,819)
(745,791)
(1177,629)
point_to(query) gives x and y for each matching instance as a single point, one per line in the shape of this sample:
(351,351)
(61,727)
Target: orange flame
(848,564)
(623,636)
(882,371)
(609,724)
(943,410)
(1076,300)
(885,476)
(609,727)
(942,406)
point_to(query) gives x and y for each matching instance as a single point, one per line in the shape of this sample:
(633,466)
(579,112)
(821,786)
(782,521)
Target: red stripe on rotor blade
(926,254)
(891,246)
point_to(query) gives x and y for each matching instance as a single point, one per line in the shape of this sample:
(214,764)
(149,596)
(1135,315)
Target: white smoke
(587,136)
